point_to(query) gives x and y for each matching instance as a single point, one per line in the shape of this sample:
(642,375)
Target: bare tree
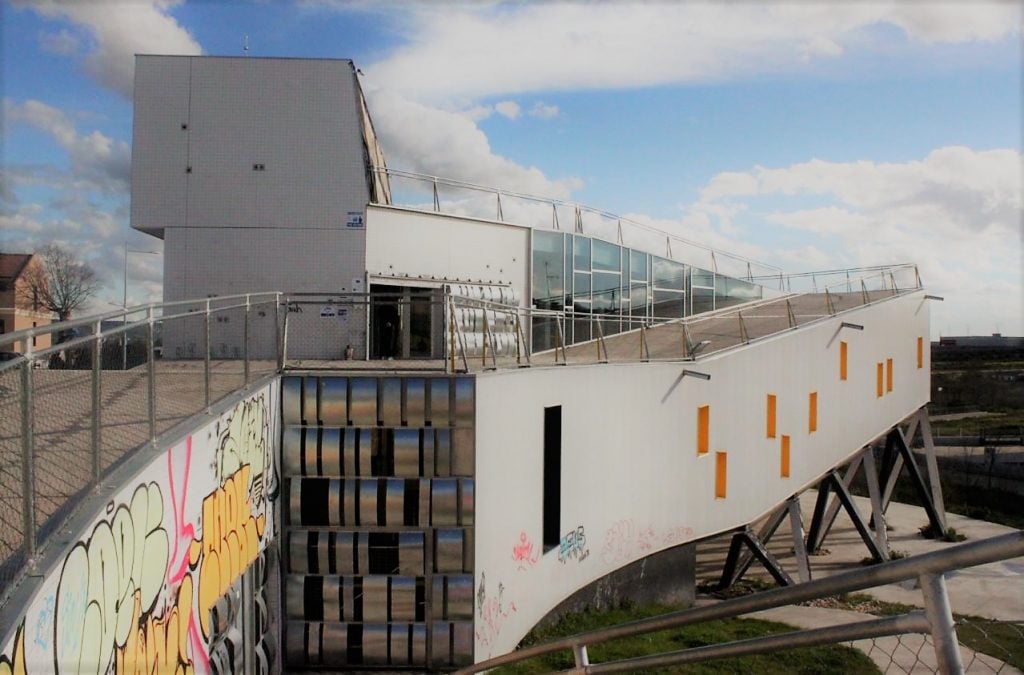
(60,282)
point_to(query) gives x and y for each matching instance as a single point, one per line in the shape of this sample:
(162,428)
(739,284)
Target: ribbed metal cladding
(380,479)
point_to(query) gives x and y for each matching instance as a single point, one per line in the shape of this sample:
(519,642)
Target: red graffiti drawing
(523,553)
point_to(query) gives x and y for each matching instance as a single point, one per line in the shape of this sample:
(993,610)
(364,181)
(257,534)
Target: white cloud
(96,159)
(425,139)
(544,111)
(509,109)
(63,42)
(956,213)
(121,30)
(560,46)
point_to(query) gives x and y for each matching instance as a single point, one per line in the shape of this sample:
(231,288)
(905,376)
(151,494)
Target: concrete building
(434,503)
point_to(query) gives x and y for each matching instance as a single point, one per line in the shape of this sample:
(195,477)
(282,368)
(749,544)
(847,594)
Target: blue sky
(809,136)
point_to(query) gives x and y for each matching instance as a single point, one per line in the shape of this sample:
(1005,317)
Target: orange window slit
(720,474)
(879,380)
(771,416)
(843,347)
(812,412)
(784,468)
(888,374)
(703,429)
(920,352)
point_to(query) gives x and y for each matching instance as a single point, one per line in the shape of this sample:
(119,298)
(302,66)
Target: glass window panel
(545,333)
(607,294)
(548,277)
(731,291)
(638,300)
(606,256)
(668,304)
(581,251)
(624,265)
(668,273)
(581,294)
(703,300)
(702,277)
(638,265)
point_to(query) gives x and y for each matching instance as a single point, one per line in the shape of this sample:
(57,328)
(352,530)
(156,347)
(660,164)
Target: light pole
(124,305)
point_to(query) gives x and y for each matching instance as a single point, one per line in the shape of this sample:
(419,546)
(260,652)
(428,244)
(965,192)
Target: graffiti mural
(524,554)
(573,544)
(492,612)
(624,541)
(134,593)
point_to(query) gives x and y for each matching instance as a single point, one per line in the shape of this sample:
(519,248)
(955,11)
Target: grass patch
(808,660)
(929,531)
(1001,639)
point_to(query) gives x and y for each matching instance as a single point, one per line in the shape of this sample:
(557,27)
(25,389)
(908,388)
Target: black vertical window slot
(552,475)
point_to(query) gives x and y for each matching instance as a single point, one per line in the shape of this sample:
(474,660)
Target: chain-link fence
(80,396)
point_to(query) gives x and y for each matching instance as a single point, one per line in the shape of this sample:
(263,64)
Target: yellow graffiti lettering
(16,666)
(230,541)
(158,645)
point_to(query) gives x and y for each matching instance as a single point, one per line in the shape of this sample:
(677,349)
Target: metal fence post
(150,359)
(96,400)
(28,506)
(277,332)
(245,342)
(284,338)
(206,356)
(940,616)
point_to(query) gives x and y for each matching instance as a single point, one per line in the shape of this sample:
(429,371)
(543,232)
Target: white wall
(631,476)
(401,241)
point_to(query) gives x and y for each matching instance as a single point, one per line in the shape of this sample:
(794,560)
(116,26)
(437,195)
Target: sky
(805,135)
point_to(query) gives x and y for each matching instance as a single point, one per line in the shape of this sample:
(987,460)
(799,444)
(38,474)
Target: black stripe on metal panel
(388,661)
(451,641)
(302,399)
(320,643)
(411,505)
(408,655)
(383,553)
(314,505)
(332,554)
(312,559)
(422,432)
(357,599)
(421,601)
(390,618)
(302,451)
(319,451)
(356,499)
(355,644)
(382,502)
(355,554)
(305,631)
(313,599)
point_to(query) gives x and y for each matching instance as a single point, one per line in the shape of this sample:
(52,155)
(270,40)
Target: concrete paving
(993,591)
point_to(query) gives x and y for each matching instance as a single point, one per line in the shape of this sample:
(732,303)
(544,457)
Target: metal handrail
(577,208)
(989,550)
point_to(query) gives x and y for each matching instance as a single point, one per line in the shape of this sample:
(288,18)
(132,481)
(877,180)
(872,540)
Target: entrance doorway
(405,322)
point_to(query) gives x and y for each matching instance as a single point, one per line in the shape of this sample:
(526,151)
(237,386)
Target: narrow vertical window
(552,475)
(703,429)
(920,352)
(812,412)
(843,347)
(720,475)
(888,374)
(880,380)
(784,462)
(771,416)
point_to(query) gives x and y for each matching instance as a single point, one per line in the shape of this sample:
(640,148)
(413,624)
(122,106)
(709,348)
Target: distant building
(18,309)
(967,346)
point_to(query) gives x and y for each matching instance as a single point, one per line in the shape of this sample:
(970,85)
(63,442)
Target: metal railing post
(580,656)
(828,303)
(151,374)
(277,332)
(790,314)
(96,399)
(451,332)
(743,329)
(864,292)
(28,493)
(245,343)
(940,617)
(206,356)
(483,350)
(284,336)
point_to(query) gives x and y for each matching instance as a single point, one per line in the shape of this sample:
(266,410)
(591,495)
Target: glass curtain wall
(622,288)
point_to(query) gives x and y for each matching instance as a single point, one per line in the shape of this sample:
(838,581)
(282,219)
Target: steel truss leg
(758,551)
(822,521)
(935,518)
(833,482)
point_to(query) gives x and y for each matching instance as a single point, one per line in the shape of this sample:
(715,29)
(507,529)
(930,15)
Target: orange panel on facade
(812,412)
(888,374)
(703,429)
(784,468)
(879,380)
(920,352)
(771,416)
(842,360)
(720,474)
